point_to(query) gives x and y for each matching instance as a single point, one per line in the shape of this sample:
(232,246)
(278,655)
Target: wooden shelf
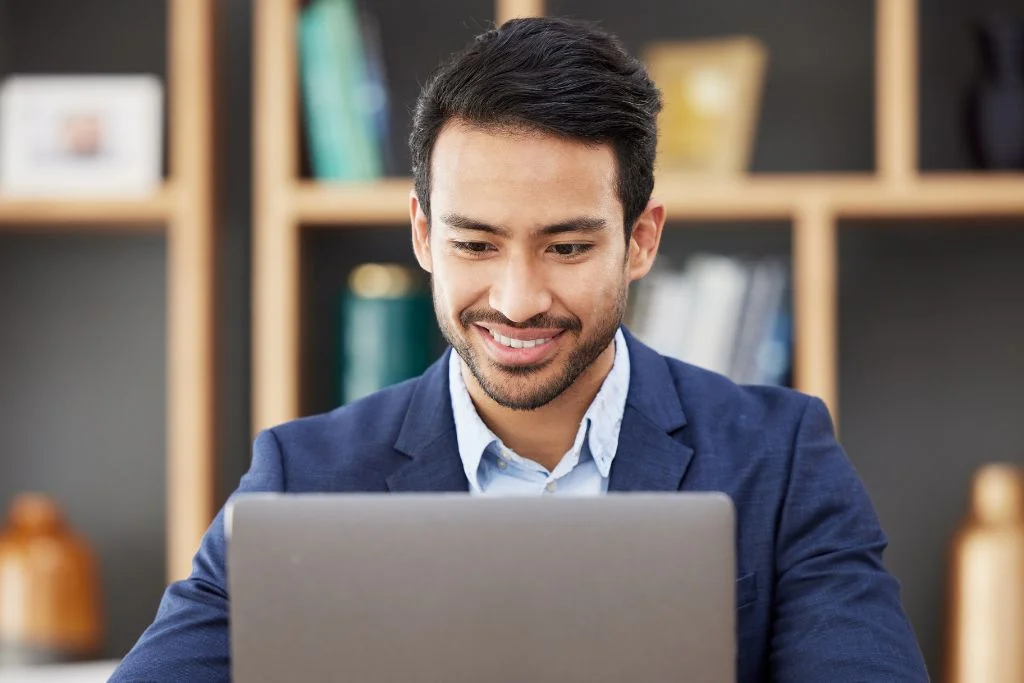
(114,213)
(845,196)
(940,195)
(756,197)
(342,204)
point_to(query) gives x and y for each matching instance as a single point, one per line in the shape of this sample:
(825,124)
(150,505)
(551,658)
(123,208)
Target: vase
(49,588)
(997,100)
(986,582)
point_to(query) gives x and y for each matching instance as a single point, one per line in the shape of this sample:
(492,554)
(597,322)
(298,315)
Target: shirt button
(552,485)
(502,465)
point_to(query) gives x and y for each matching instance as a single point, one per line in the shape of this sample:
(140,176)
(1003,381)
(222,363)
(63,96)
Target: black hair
(556,76)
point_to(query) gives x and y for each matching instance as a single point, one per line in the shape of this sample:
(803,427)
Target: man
(533,152)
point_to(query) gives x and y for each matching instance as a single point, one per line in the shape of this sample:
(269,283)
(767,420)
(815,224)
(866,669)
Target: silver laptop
(448,588)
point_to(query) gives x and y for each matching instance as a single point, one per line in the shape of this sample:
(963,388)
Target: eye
(571,250)
(473,247)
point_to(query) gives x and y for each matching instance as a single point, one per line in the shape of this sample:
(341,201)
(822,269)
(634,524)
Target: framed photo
(81,135)
(711,91)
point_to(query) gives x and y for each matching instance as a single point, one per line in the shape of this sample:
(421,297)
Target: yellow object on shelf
(986,619)
(711,92)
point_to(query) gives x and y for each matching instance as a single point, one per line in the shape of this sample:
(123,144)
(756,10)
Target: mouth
(514,347)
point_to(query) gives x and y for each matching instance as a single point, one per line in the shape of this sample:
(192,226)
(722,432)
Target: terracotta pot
(49,588)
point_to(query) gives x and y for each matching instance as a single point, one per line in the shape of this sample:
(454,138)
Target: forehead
(521,178)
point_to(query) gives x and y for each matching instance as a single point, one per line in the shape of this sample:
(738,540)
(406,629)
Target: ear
(420,233)
(645,239)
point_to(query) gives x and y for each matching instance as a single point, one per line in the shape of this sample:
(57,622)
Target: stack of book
(344,91)
(727,315)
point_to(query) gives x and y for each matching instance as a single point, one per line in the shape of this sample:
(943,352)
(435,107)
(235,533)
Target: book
(387,329)
(719,287)
(758,321)
(724,314)
(341,92)
(376,97)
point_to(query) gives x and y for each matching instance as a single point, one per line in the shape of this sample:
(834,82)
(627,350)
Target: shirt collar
(600,425)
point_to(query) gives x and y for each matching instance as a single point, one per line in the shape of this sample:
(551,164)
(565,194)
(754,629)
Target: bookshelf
(813,203)
(92,214)
(182,209)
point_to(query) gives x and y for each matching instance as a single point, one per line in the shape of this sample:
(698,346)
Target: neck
(545,434)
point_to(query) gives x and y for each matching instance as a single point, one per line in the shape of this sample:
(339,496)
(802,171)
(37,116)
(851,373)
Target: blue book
(775,357)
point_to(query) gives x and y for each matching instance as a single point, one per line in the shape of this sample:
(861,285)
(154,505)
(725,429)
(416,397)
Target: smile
(518,343)
(526,348)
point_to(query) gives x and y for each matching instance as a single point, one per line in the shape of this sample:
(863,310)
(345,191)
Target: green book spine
(357,116)
(320,59)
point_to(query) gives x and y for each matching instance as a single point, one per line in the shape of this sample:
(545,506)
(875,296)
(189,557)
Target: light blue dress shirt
(494,469)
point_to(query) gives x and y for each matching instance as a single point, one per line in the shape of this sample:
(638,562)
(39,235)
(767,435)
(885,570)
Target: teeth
(517,343)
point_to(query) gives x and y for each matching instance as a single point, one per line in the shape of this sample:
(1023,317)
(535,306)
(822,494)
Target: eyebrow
(584,224)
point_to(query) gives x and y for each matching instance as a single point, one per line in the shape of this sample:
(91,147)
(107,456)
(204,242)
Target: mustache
(541,321)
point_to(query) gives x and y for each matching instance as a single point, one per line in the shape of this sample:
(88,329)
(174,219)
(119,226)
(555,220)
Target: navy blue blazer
(814,601)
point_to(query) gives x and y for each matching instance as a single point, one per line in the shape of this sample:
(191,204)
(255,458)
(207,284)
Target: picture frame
(81,135)
(711,90)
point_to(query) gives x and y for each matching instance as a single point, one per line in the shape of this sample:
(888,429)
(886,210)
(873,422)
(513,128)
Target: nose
(520,292)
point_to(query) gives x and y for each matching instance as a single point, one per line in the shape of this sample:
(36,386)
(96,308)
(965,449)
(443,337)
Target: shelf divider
(896,66)
(275,275)
(510,9)
(814,302)
(191,285)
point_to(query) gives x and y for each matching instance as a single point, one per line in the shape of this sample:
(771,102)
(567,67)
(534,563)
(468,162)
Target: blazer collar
(428,437)
(648,457)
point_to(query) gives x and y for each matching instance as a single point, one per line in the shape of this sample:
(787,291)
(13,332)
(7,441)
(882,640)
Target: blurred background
(928,317)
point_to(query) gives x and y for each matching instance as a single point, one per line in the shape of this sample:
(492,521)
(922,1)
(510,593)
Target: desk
(89,672)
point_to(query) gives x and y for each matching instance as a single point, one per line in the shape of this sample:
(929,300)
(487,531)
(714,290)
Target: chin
(523,388)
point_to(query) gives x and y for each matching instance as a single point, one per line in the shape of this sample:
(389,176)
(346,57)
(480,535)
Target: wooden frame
(813,202)
(183,207)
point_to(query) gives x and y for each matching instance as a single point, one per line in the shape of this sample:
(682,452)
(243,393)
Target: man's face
(528,258)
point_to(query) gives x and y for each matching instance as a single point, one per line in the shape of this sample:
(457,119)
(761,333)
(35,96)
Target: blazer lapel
(428,438)
(648,458)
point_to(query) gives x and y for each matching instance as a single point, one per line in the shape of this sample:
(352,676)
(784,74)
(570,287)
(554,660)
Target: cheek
(590,292)
(458,285)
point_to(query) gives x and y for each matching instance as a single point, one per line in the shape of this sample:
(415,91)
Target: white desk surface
(89,672)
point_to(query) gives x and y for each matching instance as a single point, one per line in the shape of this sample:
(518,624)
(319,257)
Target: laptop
(451,588)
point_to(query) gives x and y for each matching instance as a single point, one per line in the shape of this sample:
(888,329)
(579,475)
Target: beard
(525,387)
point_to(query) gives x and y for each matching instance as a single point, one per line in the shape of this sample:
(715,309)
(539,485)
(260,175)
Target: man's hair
(554,76)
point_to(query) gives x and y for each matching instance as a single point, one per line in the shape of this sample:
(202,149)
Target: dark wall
(930,327)
(3,37)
